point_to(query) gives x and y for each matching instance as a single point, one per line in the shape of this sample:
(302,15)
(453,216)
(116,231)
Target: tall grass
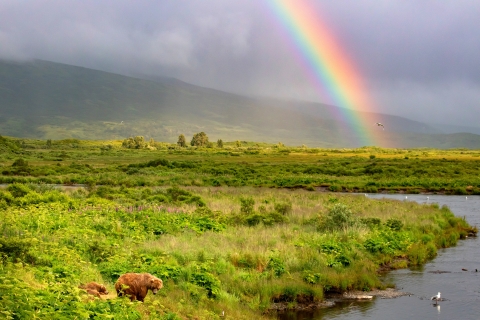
(201,241)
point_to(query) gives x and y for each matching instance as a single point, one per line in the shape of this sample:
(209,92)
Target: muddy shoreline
(332,298)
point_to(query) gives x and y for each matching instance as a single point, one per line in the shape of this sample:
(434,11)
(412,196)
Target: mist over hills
(47,100)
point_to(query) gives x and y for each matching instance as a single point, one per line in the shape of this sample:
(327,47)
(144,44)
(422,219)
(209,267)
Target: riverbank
(218,249)
(445,273)
(330,300)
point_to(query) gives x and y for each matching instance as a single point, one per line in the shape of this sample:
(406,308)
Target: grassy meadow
(240,163)
(236,229)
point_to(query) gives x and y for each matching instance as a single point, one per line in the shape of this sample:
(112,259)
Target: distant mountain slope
(446,128)
(393,123)
(49,100)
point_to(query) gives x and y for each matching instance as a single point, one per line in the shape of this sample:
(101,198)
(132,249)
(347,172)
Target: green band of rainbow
(330,66)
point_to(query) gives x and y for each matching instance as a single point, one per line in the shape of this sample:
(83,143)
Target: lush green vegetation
(203,221)
(236,250)
(367,169)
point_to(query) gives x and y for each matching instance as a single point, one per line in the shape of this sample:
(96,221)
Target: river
(461,289)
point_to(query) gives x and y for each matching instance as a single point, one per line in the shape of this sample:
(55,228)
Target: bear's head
(155,284)
(102,289)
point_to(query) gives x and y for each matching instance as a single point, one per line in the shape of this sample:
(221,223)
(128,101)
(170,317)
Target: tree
(200,140)
(137,142)
(220,143)
(181,141)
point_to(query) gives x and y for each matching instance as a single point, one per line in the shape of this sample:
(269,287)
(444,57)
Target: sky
(416,58)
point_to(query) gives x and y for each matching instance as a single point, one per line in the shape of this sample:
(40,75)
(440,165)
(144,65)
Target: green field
(366,169)
(234,229)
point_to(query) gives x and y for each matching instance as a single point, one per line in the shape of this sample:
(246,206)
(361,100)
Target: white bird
(380,125)
(436,298)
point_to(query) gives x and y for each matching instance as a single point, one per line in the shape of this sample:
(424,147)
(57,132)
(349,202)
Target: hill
(47,100)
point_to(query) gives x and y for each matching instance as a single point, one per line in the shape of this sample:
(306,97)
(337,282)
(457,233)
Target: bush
(208,281)
(276,264)
(246,205)
(18,190)
(394,224)
(137,142)
(371,222)
(283,208)
(460,191)
(334,188)
(20,163)
(339,216)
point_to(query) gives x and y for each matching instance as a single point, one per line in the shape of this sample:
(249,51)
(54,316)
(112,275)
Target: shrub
(16,249)
(339,216)
(18,190)
(460,191)
(20,163)
(208,281)
(276,264)
(334,188)
(246,205)
(394,224)
(137,142)
(370,189)
(283,208)
(371,222)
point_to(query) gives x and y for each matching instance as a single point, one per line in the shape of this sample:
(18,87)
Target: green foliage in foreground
(236,250)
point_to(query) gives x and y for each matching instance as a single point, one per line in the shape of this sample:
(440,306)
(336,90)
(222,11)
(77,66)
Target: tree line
(199,139)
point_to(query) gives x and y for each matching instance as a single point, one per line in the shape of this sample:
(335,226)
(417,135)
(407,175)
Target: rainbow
(331,68)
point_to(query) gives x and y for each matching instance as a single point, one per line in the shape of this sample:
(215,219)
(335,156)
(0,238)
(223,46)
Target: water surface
(460,288)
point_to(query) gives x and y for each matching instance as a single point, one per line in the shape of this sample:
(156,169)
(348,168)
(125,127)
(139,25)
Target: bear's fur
(99,288)
(136,285)
(94,292)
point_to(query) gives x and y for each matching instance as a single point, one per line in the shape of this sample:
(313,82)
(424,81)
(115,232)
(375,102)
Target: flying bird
(380,125)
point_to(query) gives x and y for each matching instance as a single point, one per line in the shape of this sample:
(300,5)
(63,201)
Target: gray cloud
(417,58)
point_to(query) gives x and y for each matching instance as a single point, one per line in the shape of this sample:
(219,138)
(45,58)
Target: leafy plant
(339,216)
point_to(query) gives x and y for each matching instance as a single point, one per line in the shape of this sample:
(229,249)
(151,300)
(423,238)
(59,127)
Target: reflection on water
(340,310)
(460,288)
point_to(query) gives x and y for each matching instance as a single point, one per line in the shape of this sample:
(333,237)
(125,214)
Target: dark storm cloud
(418,58)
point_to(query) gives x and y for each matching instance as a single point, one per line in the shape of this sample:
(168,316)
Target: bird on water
(436,298)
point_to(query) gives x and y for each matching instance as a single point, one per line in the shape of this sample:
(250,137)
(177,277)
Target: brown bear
(93,286)
(94,292)
(136,285)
